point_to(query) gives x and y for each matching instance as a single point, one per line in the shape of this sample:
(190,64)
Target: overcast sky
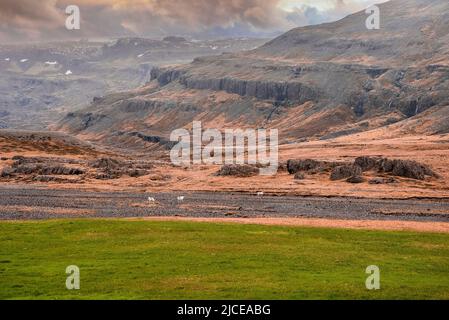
(35,20)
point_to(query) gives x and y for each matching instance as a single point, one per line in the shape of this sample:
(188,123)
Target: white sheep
(181,198)
(260,194)
(151,200)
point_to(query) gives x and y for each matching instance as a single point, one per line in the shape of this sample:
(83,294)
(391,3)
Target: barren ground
(430,150)
(25,203)
(316,201)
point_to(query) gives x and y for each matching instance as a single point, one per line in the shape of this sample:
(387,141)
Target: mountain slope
(315,82)
(412,33)
(40,82)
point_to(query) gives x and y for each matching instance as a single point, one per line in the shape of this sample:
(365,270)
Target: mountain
(317,82)
(412,33)
(40,82)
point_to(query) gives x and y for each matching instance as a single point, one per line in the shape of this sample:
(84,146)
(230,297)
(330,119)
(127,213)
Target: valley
(133,151)
(338,94)
(42,82)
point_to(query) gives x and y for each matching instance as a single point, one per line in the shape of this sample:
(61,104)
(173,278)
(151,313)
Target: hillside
(317,82)
(41,82)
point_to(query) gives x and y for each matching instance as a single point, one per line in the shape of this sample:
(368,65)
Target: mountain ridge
(354,83)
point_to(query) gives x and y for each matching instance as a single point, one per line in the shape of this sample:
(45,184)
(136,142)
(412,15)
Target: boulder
(282,167)
(300,176)
(356,179)
(366,163)
(237,171)
(106,163)
(6,172)
(346,171)
(380,180)
(406,168)
(135,173)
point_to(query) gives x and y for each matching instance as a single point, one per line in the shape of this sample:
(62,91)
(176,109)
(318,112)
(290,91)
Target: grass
(179,260)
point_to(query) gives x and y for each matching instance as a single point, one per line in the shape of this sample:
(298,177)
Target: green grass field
(177,260)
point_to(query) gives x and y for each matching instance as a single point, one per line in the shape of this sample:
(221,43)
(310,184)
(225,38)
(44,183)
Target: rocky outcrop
(47,179)
(295,166)
(346,171)
(366,163)
(396,167)
(106,164)
(264,90)
(6,172)
(310,166)
(165,76)
(299,176)
(110,168)
(234,170)
(406,169)
(356,179)
(167,144)
(381,180)
(43,169)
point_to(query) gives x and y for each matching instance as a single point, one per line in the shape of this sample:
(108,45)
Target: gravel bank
(27,203)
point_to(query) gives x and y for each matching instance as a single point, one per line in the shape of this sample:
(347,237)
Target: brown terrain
(362,117)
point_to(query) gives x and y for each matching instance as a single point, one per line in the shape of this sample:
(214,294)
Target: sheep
(260,194)
(151,200)
(181,198)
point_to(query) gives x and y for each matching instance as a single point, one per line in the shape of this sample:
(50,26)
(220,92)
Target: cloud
(19,18)
(302,13)
(45,19)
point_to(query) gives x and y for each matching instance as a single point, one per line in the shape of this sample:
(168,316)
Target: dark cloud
(27,19)
(45,19)
(20,12)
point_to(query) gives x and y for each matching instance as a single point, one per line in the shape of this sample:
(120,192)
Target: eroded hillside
(316,82)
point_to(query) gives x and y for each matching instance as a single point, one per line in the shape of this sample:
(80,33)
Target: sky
(44,20)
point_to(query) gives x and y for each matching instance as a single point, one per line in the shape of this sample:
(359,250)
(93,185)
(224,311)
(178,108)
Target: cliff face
(313,82)
(264,90)
(362,89)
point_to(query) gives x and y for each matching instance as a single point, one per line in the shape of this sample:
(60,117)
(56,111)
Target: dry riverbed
(28,203)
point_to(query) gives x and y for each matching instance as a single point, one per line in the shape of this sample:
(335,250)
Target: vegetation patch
(187,260)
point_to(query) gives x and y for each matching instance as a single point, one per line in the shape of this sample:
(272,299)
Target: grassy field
(178,260)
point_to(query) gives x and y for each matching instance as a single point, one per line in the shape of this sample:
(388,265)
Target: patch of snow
(51,63)
(7,59)
(24,60)
(68,73)
(140,55)
(214,47)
